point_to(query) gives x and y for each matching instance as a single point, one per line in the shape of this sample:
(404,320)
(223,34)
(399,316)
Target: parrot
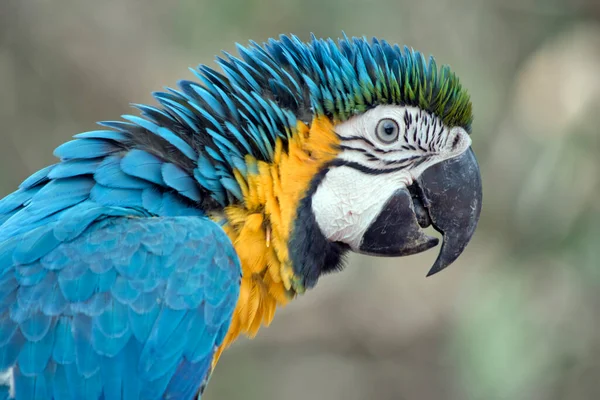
(158,239)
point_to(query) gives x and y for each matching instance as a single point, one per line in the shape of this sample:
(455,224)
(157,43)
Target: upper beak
(448,195)
(451,191)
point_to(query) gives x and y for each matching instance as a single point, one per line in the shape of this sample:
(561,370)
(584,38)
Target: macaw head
(303,151)
(399,169)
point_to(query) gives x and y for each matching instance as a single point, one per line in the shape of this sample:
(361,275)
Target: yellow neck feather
(260,228)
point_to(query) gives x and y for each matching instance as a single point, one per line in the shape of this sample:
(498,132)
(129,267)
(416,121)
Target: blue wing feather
(103,134)
(85,148)
(179,180)
(109,173)
(72,168)
(36,178)
(143,165)
(64,344)
(107,196)
(123,310)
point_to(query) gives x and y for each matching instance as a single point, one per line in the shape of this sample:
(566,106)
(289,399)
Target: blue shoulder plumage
(130,307)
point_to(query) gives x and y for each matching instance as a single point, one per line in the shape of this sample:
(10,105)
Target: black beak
(451,192)
(448,196)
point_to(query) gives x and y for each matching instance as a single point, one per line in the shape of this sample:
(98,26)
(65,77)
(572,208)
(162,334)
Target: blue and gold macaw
(128,266)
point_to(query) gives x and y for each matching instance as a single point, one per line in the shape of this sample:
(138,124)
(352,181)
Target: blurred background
(515,318)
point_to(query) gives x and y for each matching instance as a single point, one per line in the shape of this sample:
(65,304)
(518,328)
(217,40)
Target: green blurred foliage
(515,318)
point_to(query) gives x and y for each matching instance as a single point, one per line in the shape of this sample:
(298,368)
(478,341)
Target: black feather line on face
(373,157)
(363,168)
(372,146)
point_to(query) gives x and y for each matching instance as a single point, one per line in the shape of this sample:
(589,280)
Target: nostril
(455,142)
(458,139)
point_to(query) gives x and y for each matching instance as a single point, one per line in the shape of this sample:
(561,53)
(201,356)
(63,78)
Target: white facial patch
(347,201)
(369,170)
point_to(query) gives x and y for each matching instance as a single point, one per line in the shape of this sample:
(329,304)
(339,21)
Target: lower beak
(448,196)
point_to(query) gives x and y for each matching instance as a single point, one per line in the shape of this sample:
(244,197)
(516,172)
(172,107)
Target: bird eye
(387,130)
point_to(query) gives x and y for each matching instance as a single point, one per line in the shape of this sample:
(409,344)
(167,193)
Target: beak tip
(435,269)
(438,266)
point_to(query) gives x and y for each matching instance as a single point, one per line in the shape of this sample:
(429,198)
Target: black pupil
(389,128)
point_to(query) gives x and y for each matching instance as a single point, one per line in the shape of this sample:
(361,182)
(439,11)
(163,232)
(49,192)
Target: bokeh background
(517,317)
